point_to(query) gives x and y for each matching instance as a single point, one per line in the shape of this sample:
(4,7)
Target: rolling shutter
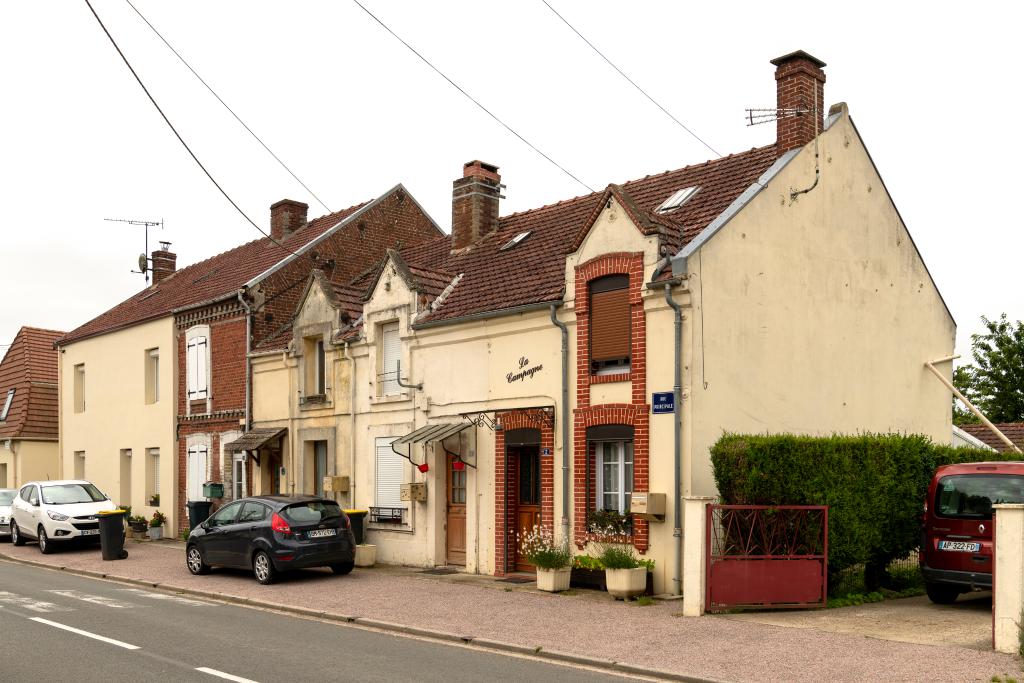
(609,325)
(391,348)
(390,468)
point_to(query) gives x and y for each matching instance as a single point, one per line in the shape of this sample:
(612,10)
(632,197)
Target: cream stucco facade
(112,431)
(24,460)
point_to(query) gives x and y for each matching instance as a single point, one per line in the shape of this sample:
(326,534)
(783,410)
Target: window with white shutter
(197,472)
(391,350)
(197,361)
(390,473)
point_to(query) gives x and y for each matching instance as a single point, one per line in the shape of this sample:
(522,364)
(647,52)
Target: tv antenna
(758,116)
(144,258)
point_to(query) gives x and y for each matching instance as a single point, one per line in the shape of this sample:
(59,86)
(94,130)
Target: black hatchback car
(272,534)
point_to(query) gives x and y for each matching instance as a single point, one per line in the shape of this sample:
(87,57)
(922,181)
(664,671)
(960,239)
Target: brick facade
(635,414)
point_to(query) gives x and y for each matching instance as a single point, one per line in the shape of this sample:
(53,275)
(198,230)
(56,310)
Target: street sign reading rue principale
(663,402)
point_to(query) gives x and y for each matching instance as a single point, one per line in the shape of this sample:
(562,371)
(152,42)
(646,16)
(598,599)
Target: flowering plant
(158,519)
(539,547)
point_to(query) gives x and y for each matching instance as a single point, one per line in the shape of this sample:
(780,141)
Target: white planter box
(626,583)
(366,555)
(553,580)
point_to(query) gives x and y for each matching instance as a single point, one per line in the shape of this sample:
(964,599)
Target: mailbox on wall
(649,506)
(335,484)
(416,492)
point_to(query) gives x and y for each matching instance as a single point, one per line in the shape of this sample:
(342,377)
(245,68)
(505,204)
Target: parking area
(966,623)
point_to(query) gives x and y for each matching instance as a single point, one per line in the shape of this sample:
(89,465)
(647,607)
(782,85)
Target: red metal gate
(765,556)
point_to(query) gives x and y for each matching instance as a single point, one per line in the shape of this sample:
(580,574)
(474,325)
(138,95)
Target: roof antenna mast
(144,259)
(758,116)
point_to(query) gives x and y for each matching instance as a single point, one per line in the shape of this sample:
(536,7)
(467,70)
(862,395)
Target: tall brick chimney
(163,263)
(287,216)
(475,203)
(796,76)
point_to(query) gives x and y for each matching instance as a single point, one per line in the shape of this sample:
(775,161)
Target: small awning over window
(255,438)
(434,432)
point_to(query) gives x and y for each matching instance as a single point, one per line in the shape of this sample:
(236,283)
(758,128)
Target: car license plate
(959,546)
(321,533)
(90,532)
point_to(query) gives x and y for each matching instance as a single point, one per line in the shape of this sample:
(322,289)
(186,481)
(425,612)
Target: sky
(353,112)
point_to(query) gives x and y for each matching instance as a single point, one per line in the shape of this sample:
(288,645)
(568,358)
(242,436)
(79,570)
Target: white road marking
(95,599)
(166,596)
(8,598)
(80,632)
(221,674)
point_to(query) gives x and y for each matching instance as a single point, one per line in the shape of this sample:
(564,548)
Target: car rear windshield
(7,497)
(971,496)
(66,494)
(313,512)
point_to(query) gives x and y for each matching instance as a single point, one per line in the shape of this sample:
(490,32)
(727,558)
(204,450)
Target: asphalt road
(56,626)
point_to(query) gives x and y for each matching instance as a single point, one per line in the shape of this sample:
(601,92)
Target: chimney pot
(800,85)
(475,199)
(287,216)
(164,263)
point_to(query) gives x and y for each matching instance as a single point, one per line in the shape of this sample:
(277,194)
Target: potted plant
(587,572)
(552,559)
(156,526)
(625,575)
(154,500)
(138,525)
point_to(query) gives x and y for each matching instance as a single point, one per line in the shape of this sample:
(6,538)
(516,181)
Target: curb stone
(387,626)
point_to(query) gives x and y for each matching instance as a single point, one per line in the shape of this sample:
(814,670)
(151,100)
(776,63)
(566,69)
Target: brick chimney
(164,263)
(287,216)
(797,75)
(475,203)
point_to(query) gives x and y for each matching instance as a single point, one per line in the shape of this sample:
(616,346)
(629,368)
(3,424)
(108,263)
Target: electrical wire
(178,135)
(230,110)
(631,82)
(471,98)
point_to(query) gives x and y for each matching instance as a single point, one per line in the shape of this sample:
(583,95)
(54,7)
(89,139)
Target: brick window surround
(506,491)
(635,414)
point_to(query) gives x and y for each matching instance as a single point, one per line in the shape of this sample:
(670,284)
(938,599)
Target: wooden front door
(527,497)
(456,535)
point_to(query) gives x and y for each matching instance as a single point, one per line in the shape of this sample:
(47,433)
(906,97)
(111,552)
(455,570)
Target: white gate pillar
(695,525)
(1007,576)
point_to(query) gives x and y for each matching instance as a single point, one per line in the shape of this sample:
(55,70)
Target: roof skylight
(515,240)
(677,199)
(7,405)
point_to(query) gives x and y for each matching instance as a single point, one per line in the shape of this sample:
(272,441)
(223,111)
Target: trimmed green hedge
(874,485)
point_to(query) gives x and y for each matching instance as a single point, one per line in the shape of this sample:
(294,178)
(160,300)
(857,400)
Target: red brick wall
(795,89)
(635,414)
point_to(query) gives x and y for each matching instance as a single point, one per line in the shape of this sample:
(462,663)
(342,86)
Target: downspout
(677,392)
(351,427)
(970,406)
(248,378)
(565,421)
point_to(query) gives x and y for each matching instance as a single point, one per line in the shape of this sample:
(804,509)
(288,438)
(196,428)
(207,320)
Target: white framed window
(677,199)
(197,470)
(152,370)
(7,405)
(197,362)
(390,471)
(316,367)
(614,469)
(80,465)
(152,473)
(80,388)
(238,487)
(391,354)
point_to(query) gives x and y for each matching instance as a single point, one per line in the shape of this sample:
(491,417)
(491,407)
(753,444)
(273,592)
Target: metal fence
(901,575)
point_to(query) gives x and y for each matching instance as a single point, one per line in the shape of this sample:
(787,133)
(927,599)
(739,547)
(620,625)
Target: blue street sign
(545,451)
(663,402)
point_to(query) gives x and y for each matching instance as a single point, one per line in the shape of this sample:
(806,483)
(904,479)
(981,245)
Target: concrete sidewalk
(586,623)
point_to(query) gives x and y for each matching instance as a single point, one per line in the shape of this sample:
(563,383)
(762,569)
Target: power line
(178,135)
(622,73)
(471,98)
(232,111)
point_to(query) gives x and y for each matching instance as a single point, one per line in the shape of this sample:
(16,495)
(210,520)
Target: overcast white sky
(352,112)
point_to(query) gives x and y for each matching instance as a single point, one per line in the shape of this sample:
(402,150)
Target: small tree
(995,383)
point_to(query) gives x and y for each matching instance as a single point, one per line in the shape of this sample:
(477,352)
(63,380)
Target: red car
(956,544)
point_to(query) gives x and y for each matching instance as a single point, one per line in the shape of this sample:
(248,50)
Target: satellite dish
(143,263)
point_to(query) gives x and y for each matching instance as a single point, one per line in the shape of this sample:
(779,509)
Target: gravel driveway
(726,648)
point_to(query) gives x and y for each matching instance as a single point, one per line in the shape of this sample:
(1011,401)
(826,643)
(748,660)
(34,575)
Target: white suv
(49,511)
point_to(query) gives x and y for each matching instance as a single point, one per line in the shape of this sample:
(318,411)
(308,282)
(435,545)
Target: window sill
(393,528)
(611,378)
(394,398)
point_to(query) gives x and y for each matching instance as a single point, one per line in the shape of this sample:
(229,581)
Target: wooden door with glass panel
(456,517)
(526,460)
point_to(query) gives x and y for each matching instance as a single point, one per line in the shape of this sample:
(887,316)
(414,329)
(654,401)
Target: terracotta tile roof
(1014,431)
(30,368)
(533,271)
(214,278)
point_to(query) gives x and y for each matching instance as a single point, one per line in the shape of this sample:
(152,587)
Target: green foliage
(874,485)
(644,601)
(609,523)
(158,519)
(618,556)
(184,534)
(995,382)
(590,562)
(541,550)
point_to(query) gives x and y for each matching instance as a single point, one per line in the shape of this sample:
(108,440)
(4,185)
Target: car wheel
(263,568)
(942,593)
(45,547)
(343,568)
(194,560)
(16,537)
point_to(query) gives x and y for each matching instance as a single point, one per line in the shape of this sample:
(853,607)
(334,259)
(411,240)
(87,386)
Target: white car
(6,497)
(52,511)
